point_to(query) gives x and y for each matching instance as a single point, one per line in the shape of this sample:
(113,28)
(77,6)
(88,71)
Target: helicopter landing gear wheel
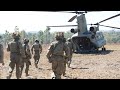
(103,49)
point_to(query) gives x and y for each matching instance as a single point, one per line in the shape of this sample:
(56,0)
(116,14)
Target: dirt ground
(103,65)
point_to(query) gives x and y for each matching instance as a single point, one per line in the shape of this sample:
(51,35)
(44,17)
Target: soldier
(16,52)
(71,47)
(1,54)
(28,57)
(57,53)
(37,51)
(66,61)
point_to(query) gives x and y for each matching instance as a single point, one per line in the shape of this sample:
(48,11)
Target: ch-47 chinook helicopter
(87,40)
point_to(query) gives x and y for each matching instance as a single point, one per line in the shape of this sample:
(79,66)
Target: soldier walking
(37,51)
(27,58)
(16,52)
(57,53)
(1,59)
(71,47)
(1,54)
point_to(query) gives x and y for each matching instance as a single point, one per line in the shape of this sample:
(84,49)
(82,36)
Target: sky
(38,20)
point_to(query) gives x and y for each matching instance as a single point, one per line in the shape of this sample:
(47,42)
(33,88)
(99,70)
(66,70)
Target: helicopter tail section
(82,26)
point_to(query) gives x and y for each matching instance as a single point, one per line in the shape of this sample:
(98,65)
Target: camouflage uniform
(1,54)
(64,40)
(71,47)
(1,59)
(28,57)
(37,51)
(16,52)
(56,56)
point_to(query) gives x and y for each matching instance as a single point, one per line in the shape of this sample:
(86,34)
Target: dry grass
(104,65)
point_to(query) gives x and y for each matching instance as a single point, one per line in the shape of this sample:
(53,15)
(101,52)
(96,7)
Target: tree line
(46,37)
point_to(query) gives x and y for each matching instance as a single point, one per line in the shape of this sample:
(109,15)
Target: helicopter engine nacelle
(93,29)
(74,30)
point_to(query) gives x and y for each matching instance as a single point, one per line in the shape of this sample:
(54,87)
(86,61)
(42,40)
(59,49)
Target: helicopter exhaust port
(73,30)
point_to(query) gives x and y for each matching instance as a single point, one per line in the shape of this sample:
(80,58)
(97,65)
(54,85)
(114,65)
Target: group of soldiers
(59,54)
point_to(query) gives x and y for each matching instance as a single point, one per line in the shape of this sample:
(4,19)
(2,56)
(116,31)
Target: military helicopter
(84,40)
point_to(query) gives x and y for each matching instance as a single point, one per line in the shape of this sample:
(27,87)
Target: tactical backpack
(58,48)
(36,47)
(29,56)
(14,47)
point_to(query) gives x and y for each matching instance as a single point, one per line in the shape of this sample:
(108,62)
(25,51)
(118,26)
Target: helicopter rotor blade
(108,19)
(72,18)
(63,26)
(78,12)
(110,26)
(105,26)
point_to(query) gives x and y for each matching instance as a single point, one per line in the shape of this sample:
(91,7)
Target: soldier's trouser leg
(27,68)
(58,76)
(58,68)
(36,64)
(36,58)
(11,68)
(37,61)
(64,70)
(22,66)
(18,71)
(69,62)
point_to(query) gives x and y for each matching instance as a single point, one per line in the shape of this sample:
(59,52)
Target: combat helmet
(16,36)
(36,40)
(59,35)
(25,40)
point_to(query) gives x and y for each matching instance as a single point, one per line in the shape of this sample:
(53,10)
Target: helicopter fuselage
(88,42)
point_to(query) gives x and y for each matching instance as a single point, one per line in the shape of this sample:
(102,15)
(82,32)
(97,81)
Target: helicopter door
(81,44)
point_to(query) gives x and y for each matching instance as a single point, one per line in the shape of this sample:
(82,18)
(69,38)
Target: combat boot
(68,64)
(37,61)
(27,74)
(36,65)
(64,74)
(57,76)
(53,78)
(9,76)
